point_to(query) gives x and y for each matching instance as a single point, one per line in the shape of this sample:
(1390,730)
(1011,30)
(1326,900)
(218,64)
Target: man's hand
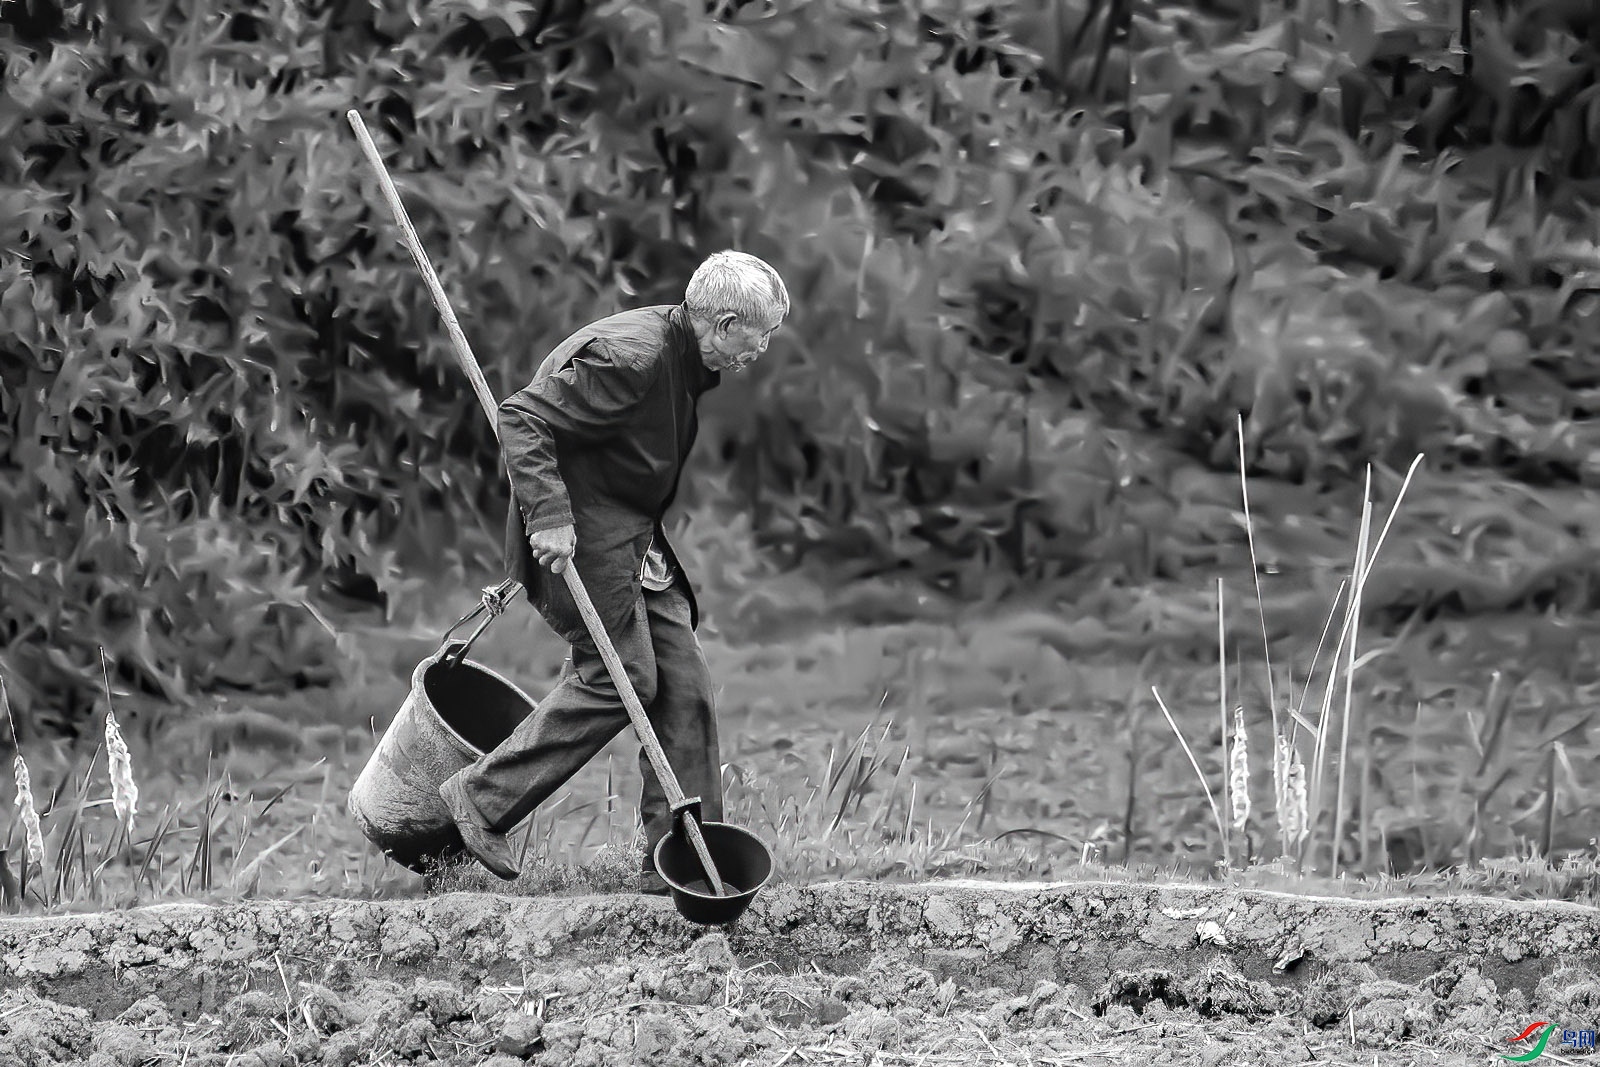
(552,548)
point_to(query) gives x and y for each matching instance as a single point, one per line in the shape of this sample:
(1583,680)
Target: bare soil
(936,973)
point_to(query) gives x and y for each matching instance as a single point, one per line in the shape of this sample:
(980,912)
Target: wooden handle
(641,722)
(458,340)
(591,618)
(413,243)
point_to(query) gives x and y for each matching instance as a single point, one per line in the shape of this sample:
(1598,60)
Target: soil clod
(1076,977)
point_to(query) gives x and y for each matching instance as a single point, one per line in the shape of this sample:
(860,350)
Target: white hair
(738,283)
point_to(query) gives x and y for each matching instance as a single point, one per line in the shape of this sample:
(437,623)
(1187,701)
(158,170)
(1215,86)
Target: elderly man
(594,446)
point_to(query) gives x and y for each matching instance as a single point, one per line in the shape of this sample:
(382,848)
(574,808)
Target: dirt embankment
(853,972)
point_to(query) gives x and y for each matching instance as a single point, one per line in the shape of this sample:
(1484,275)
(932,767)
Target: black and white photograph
(799,533)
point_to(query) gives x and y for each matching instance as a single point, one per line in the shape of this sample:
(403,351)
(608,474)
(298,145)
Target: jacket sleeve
(584,403)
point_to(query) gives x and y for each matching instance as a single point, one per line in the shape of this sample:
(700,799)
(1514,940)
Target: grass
(909,788)
(1017,740)
(1297,811)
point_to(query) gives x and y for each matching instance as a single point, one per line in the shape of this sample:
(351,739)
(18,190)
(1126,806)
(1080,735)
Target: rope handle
(493,603)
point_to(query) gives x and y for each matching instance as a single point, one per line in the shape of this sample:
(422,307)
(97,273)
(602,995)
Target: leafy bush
(1036,270)
(1042,306)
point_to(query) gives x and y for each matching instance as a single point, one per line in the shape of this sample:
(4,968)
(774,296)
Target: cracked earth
(946,972)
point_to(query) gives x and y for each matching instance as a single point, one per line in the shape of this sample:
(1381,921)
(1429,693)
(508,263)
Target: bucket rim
(419,692)
(743,894)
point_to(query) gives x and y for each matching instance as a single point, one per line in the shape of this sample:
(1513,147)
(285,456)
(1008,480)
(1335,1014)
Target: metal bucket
(741,859)
(457,710)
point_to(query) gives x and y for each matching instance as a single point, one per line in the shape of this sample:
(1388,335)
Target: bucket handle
(493,602)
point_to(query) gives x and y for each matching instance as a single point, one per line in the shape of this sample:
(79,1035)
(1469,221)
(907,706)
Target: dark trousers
(584,712)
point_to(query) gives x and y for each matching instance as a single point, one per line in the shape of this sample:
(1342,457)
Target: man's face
(736,343)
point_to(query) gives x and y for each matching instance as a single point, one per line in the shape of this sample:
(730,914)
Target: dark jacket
(598,439)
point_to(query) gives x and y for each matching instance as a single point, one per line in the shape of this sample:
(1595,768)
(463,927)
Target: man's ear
(726,321)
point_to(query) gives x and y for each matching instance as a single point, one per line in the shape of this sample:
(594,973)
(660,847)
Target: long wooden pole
(591,618)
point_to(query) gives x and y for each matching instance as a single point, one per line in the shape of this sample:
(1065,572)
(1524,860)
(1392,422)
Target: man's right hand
(552,548)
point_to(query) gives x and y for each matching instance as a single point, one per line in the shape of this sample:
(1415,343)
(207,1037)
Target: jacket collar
(689,349)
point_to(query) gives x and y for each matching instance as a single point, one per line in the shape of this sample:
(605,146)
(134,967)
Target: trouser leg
(684,716)
(570,726)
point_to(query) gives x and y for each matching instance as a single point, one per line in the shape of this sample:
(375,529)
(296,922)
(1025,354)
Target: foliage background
(1042,254)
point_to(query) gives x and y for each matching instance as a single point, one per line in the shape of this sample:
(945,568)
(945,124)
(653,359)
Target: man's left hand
(552,548)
